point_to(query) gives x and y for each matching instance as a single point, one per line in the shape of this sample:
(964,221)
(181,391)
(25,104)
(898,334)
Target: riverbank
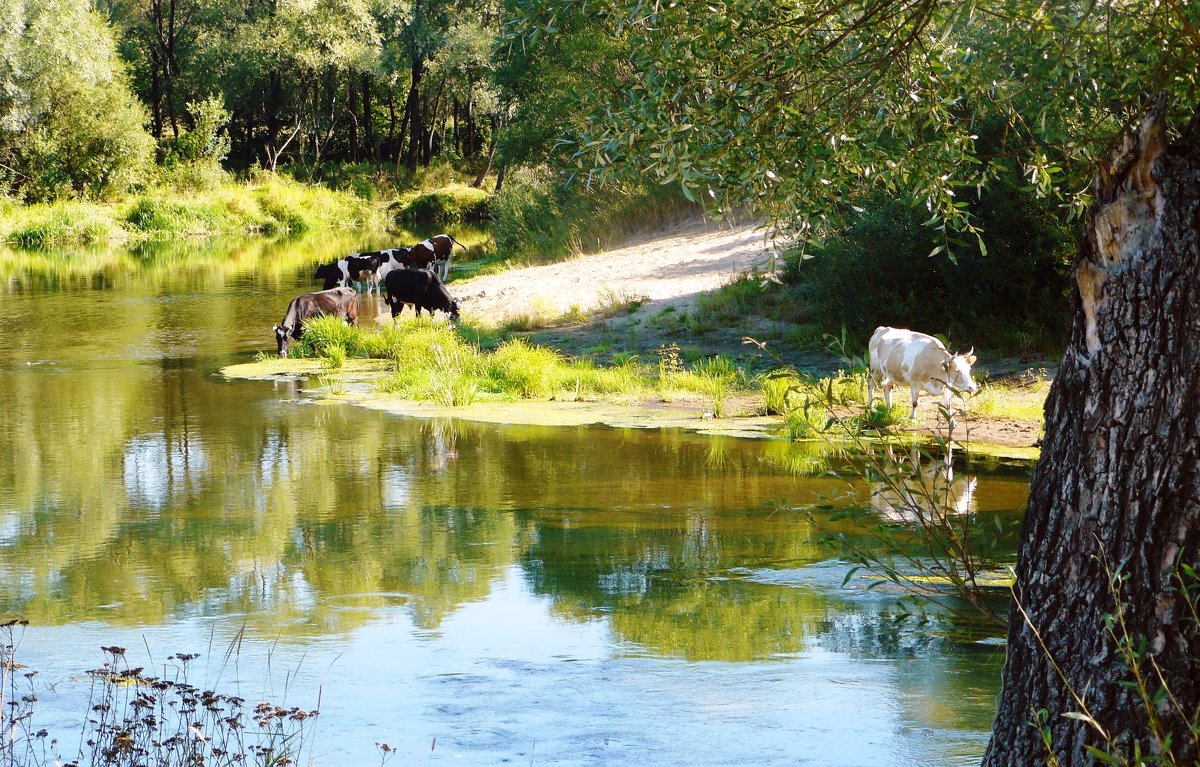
(263,205)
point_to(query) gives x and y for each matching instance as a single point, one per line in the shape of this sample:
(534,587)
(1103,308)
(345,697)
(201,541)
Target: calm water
(466,593)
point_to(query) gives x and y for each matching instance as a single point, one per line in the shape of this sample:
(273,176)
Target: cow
(918,360)
(335,275)
(364,267)
(436,249)
(419,287)
(355,268)
(338,302)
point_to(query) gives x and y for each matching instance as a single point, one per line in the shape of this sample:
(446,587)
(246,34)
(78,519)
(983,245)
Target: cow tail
(456,242)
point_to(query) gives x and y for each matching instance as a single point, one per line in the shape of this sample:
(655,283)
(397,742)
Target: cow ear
(970,358)
(946,365)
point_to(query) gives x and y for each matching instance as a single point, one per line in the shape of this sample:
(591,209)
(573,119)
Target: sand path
(671,268)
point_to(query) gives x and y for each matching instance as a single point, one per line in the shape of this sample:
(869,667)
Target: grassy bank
(428,362)
(266,204)
(432,362)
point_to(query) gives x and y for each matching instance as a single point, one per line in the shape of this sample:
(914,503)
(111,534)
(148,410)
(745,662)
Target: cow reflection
(920,489)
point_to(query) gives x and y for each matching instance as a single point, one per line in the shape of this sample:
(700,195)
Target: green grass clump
(432,361)
(530,371)
(59,223)
(156,215)
(447,205)
(781,392)
(879,417)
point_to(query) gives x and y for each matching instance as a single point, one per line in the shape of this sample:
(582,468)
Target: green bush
(530,371)
(879,271)
(448,205)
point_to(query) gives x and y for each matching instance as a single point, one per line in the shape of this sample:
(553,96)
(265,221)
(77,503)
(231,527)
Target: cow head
(330,273)
(281,339)
(958,371)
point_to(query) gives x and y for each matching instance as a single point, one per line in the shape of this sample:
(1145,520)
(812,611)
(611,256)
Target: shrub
(880,271)
(448,205)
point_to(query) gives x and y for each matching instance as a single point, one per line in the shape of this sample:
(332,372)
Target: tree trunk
(369,144)
(1117,488)
(352,109)
(412,113)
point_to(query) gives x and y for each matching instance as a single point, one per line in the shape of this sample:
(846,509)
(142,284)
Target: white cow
(918,360)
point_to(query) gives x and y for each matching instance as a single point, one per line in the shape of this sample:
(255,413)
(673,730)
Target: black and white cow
(353,269)
(419,287)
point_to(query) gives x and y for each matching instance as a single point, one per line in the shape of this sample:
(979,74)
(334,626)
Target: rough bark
(412,113)
(1117,488)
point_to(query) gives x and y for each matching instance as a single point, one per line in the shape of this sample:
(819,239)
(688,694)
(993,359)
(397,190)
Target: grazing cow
(339,302)
(419,287)
(918,360)
(436,249)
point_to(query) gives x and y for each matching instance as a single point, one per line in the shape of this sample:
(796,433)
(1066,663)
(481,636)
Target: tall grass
(194,203)
(433,362)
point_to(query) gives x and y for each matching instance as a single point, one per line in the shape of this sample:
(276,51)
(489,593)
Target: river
(466,593)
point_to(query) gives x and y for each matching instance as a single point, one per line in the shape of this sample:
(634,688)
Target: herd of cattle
(414,276)
(410,275)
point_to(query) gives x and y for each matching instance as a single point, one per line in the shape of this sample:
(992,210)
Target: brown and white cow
(435,250)
(339,302)
(920,361)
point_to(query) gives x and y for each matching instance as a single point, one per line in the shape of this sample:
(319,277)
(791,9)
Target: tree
(801,109)
(1115,505)
(68,120)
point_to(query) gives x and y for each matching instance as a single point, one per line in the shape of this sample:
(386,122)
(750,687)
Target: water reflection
(923,488)
(634,571)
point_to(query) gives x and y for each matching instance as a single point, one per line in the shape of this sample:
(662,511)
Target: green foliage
(806,122)
(879,271)
(879,417)
(68,121)
(181,207)
(530,371)
(538,219)
(208,141)
(331,338)
(54,224)
(448,205)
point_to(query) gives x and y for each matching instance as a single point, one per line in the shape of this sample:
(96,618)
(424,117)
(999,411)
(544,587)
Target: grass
(190,202)
(433,362)
(1022,400)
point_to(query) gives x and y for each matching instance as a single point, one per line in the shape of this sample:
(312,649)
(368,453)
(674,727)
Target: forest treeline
(91,95)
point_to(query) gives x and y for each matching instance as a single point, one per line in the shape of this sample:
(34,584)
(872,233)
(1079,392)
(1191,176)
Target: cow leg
(870,389)
(887,393)
(916,392)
